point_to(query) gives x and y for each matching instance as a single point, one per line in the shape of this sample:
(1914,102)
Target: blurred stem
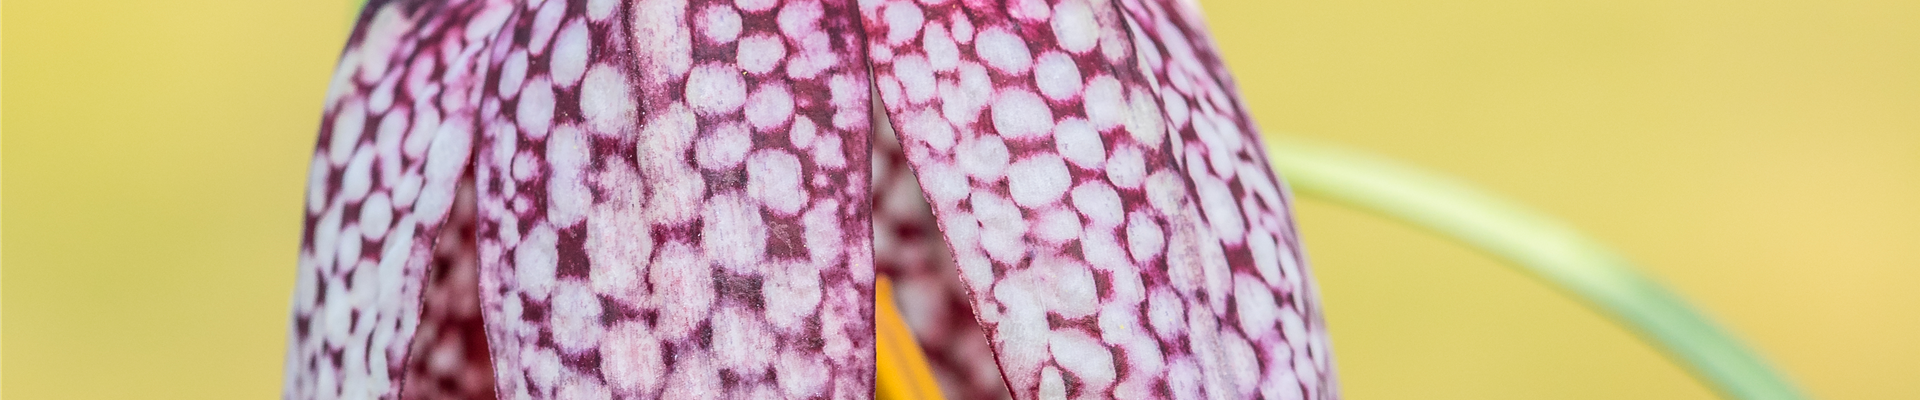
(1539,245)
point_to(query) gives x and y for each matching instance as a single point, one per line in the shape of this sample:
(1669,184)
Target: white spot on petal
(694,377)
(357,179)
(1022,330)
(535,111)
(607,102)
(681,270)
(425,124)
(1070,292)
(1030,10)
(544,25)
(724,147)
(773,179)
(1266,257)
(829,153)
(930,128)
(619,246)
(568,196)
(1038,181)
(383,36)
(715,89)
(733,233)
(1145,238)
(760,53)
(1242,364)
(1002,227)
(1057,226)
(1075,27)
(903,21)
(1057,76)
(570,51)
(535,261)
(1004,51)
(1085,358)
(941,51)
(513,73)
(1105,102)
(576,386)
(407,190)
(1166,192)
(1144,120)
(983,157)
(601,9)
(1019,114)
(542,367)
(661,38)
(770,107)
(961,101)
(376,216)
(1127,168)
(801,375)
(446,160)
(916,77)
(1216,199)
(351,248)
(944,183)
(1052,386)
(797,290)
(802,132)
(348,124)
(1079,143)
(575,317)
(962,27)
(720,24)
(824,237)
(741,341)
(1166,314)
(1255,305)
(1099,202)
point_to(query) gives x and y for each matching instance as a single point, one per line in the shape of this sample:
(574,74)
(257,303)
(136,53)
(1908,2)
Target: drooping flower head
(693,199)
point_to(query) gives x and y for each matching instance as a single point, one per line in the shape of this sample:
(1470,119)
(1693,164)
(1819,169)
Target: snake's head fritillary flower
(694,198)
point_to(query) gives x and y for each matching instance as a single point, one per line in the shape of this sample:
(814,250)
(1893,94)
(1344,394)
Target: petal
(387,279)
(645,186)
(646,172)
(680,206)
(1044,110)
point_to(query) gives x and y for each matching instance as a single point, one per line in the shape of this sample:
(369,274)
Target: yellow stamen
(902,372)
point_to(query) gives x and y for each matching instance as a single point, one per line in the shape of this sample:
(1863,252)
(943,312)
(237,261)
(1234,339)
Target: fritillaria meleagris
(694,199)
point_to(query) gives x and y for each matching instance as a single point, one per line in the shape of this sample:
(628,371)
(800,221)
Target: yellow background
(1761,156)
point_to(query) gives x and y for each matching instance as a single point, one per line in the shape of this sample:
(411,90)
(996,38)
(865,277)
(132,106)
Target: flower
(694,199)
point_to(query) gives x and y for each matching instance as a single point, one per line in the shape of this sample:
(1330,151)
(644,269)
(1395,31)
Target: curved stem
(1541,246)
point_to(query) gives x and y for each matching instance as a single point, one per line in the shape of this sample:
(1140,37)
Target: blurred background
(1762,157)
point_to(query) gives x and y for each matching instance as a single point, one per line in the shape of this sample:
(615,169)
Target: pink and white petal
(1094,84)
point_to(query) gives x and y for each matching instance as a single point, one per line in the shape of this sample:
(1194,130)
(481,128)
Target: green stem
(1540,246)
